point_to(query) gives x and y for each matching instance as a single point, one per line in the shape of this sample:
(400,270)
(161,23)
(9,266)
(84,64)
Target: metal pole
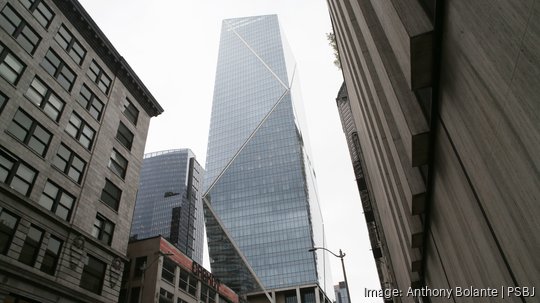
(341,255)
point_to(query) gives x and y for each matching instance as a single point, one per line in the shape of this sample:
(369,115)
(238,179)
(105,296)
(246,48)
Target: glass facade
(259,178)
(169,201)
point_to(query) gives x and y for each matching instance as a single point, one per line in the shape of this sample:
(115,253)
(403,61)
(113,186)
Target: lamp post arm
(341,255)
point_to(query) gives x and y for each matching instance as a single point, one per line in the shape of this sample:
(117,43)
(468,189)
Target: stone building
(73,124)
(444,99)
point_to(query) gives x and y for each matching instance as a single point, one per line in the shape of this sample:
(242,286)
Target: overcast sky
(173,47)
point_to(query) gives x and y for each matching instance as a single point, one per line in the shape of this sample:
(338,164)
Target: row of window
(93,272)
(32,244)
(36,137)
(11,68)
(20,176)
(13,23)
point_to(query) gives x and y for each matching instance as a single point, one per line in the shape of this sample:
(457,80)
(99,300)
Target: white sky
(173,47)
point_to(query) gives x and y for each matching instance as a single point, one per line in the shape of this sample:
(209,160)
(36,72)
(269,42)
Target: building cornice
(82,21)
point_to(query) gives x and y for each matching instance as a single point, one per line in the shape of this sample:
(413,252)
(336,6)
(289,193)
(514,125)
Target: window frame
(45,103)
(90,104)
(109,198)
(30,132)
(8,237)
(93,274)
(122,138)
(97,74)
(70,42)
(53,257)
(12,172)
(4,53)
(69,163)
(115,166)
(80,134)
(35,7)
(18,33)
(33,248)
(59,70)
(57,200)
(131,112)
(3,101)
(104,224)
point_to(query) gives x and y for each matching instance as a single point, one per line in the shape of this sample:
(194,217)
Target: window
(165,296)
(118,164)
(135,295)
(93,275)
(183,281)
(3,101)
(99,77)
(111,195)
(211,296)
(192,289)
(16,174)
(131,112)
(30,249)
(124,136)
(57,200)
(58,69)
(11,67)
(140,264)
(8,225)
(72,46)
(103,229)
(79,129)
(52,254)
(41,95)
(69,163)
(29,132)
(17,27)
(40,10)
(89,101)
(204,293)
(168,269)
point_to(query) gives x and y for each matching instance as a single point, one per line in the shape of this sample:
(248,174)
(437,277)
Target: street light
(341,255)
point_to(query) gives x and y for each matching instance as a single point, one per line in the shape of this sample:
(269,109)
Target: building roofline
(168,151)
(86,26)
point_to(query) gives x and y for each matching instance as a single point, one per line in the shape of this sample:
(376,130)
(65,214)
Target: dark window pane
(111,195)
(8,225)
(57,200)
(98,76)
(11,68)
(52,254)
(131,112)
(103,229)
(31,246)
(93,275)
(124,135)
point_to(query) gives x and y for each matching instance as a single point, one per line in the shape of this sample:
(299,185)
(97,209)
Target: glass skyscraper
(259,179)
(169,201)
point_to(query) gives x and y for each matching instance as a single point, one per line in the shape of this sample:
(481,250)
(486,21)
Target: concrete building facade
(259,177)
(443,96)
(169,201)
(73,125)
(159,272)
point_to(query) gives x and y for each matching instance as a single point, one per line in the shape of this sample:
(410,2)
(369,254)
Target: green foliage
(331,37)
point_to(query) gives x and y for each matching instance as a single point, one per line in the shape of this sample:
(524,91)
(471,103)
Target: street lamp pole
(341,255)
